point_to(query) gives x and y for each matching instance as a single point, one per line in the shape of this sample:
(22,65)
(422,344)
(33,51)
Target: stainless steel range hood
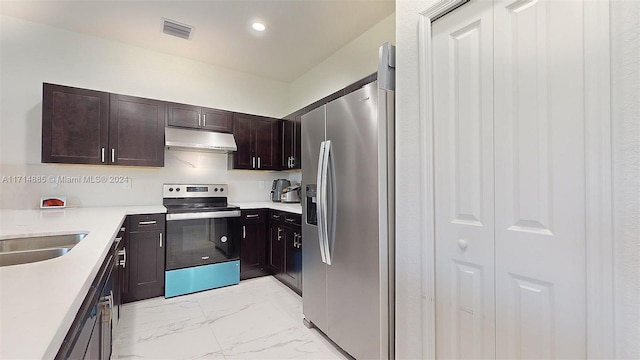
(183,139)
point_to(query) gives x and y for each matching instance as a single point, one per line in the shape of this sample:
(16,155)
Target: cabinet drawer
(253,215)
(276,216)
(147,222)
(293,219)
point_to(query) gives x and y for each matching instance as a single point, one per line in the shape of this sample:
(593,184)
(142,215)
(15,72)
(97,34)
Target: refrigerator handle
(325,209)
(331,208)
(319,206)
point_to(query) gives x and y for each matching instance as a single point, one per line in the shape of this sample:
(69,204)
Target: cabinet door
(292,270)
(243,158)
(252,249)
(289,270)
(93,350)
(184,115)
(136,131)
(276,248)
(74,125)
(217,120)
(146,268)
(298,262)
(267,143)
(297,144)
(288,135)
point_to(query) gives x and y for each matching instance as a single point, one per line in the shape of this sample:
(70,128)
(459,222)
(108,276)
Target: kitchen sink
(24,257)
(40,242)
(37,248)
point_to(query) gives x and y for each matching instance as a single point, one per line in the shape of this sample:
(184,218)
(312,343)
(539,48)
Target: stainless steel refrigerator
(348,212)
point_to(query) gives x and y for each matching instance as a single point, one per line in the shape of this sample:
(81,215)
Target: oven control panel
(194,190)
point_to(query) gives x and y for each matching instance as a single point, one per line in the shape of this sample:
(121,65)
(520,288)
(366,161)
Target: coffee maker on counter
(277,188)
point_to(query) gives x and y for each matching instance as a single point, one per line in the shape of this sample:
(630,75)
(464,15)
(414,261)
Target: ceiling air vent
(174,28)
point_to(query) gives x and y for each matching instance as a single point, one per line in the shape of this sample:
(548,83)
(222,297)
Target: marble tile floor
(256,319)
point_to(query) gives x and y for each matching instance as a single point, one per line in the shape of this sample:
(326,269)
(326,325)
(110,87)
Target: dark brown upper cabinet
(75,125)
(136,131)
(258,141)
(291,133)
(197,117)
(82,126)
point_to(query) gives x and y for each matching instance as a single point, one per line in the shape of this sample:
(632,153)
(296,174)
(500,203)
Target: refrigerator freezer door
(353,278)
(314,273)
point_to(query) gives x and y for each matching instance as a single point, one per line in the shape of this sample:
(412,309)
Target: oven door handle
(203,215)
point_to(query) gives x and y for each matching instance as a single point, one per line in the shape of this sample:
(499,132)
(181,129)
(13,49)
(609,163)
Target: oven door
(195,239)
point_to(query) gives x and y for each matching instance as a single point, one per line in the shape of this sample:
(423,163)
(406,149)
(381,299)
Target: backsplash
(21,186)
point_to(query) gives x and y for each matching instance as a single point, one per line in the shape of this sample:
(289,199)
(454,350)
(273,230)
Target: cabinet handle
(275,216)
(123,229)
(199,123)
(113,155)
(252,216)
(123,253)
(204,120)
(279,232)
(160,239)
(102,154)
(151,222)
(253,162)
(289,220)
(244,232)
(258,162)
(204,258)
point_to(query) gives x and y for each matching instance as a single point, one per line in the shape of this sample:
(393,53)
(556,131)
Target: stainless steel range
(202,252)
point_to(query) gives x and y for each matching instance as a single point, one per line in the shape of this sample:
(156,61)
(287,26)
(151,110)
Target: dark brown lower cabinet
(292,274)
(252,230)
(285,248)
(145,257)
(275,250)
(271,244)
(90,334)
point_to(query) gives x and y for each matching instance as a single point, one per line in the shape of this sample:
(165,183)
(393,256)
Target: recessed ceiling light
(258,26)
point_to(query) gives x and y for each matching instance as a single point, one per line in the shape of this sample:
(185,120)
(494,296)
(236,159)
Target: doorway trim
(598,176)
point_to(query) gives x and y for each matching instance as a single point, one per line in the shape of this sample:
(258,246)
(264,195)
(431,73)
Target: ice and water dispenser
(310,193)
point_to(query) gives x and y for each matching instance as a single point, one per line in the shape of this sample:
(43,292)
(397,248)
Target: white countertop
(290,207)
(39,301)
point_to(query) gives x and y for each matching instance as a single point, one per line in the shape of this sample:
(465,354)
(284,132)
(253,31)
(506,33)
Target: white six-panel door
(463,114)
(540,179)
(509,174)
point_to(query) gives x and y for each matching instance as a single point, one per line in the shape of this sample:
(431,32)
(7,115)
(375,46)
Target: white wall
(354,61)
(625,65)
(410,300)
(31,54)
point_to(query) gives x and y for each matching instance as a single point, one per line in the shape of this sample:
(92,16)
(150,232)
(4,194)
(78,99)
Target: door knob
(462,244)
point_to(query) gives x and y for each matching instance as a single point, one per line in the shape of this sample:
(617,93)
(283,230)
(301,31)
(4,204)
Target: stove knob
(170,189)
(177,189)
(215,189)
(221,189)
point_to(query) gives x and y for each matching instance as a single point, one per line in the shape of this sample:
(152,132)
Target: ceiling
(300,33)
